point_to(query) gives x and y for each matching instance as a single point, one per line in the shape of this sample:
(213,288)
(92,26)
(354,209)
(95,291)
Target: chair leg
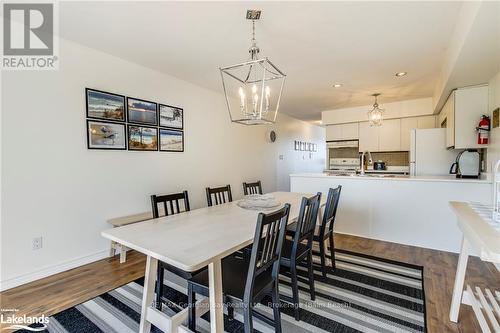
(295,291)
(276,310)
(159,285)
(247,315)
(322,255)
(332,251)
(311,275)
(230,311)
(192,308)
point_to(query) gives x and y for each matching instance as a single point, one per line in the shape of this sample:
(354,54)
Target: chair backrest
(170,203)
(252,188)
(332,202)
(219,195)
(306,222)
(267,245)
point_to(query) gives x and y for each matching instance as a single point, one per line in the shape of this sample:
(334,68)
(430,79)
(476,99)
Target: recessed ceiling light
(399,74)
(337,85)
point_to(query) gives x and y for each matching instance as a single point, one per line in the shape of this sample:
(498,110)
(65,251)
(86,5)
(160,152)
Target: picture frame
(104,105)
(143,112)
(314,147)
(171,140)
(142,138)
(302,146)
(170,116)
(106,135)
(296,145)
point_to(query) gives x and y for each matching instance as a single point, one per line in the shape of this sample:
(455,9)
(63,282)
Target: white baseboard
(51,270)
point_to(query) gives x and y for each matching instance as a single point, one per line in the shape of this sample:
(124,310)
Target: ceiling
(358,44)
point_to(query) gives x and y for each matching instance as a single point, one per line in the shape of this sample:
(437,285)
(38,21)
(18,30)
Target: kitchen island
(412,210)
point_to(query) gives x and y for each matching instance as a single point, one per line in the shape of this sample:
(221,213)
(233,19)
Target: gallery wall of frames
(117,122)
(305,146)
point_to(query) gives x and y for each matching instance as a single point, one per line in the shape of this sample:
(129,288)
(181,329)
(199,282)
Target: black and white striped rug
(365,294)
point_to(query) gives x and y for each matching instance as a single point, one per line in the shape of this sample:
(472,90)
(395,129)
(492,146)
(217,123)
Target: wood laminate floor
(61,291)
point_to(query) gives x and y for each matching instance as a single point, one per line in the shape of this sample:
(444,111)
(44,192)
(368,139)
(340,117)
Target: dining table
(190,241)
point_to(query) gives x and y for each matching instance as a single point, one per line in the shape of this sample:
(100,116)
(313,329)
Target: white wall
(408,108)
(52,186)
(493,103)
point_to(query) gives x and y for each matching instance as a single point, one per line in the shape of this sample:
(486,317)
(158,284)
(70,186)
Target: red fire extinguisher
(483,130)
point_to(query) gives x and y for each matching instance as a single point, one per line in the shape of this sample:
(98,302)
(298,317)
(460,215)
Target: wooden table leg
(148,292)
(215,292)
(458,288)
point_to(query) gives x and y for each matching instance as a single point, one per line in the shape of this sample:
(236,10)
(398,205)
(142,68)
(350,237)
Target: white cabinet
(407,124)
(368,137)
(461,114)
(342,132)
(390,135)
(426,122)
(380,138)
(333,132)
(350,131)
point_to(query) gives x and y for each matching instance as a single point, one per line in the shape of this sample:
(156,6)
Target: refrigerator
(428,153)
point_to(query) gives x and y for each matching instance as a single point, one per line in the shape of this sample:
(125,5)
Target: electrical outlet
(37,243)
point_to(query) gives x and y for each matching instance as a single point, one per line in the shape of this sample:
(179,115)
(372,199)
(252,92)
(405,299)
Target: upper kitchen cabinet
(390,135)
(342,132)
(407,124)
(368,137)
(386,137)
(461,114)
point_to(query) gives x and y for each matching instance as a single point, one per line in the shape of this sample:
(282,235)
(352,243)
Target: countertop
(449,178)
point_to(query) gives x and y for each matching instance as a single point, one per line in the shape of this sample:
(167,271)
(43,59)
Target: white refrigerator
(428,153)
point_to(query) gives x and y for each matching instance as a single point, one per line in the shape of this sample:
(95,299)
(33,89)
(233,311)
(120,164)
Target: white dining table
(190,241)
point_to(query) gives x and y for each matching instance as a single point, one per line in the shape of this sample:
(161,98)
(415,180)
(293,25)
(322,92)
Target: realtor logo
(29,36)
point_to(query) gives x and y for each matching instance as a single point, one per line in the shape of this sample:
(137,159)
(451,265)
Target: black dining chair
(325,229)
(245,283)
(295,251)
(171,204)
(252,188)
(219,195)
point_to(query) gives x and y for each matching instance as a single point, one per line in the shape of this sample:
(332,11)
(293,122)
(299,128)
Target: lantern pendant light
(253,88)
(375,114)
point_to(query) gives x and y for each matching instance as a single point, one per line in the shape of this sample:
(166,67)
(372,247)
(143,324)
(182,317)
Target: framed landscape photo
(142,138)
(171,140)
(104,105)
(142,112)
(171,116)
(106,135)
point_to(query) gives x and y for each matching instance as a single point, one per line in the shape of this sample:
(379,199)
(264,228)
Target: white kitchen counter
(449,178)
(402,209)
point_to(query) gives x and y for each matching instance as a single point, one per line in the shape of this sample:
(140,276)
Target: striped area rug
(365,294)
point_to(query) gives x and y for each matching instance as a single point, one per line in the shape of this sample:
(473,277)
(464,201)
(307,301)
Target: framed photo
(308,146)
(171,116)
(302,146)
(142,112)
(171,140)
(297,145)
(314,147)
(142,138)
(104,105)
(105,135)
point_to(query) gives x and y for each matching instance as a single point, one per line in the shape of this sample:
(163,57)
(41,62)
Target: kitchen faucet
(370,161)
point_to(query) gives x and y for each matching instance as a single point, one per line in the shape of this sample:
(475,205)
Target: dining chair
(245,283)
(252,188)
(325,229)
(219,195)
(295,251)
(171,204)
